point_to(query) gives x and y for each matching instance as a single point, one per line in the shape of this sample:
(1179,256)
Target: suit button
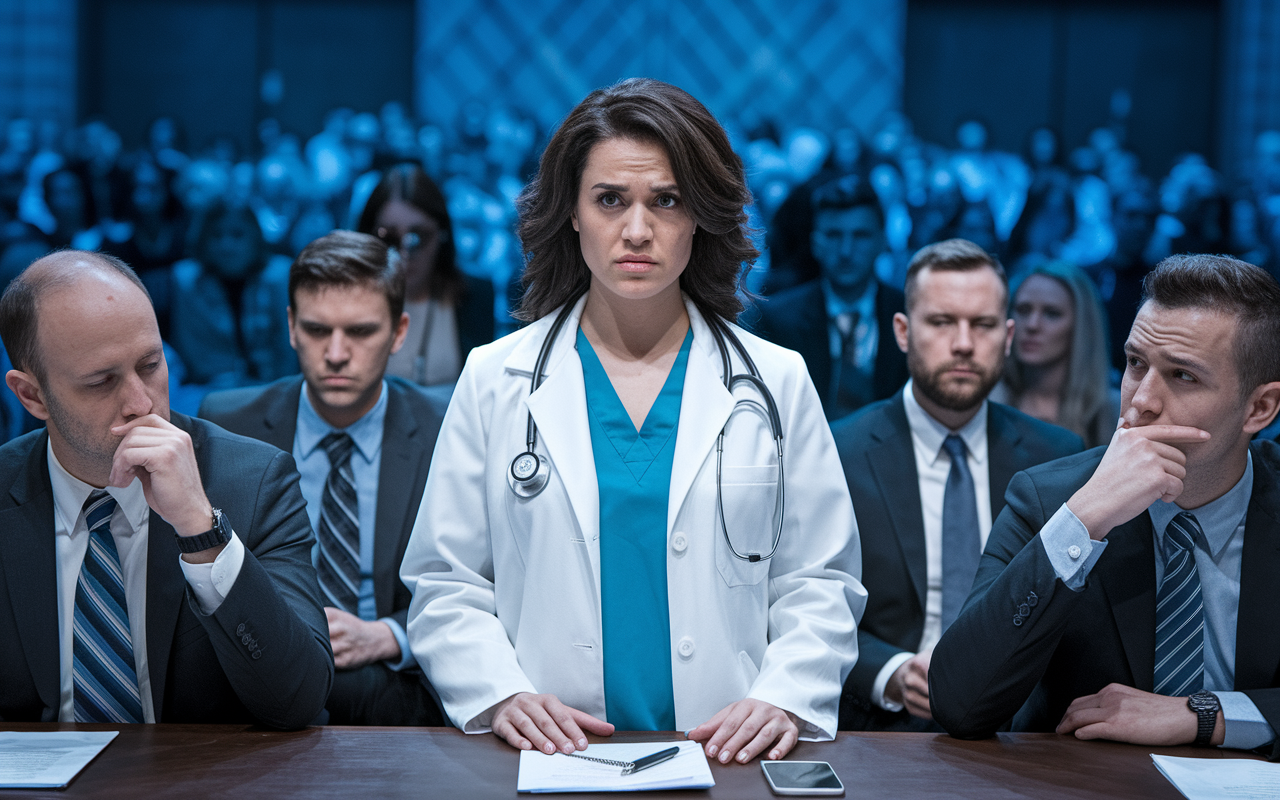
(1074,552)
(679,543)
(257,654)
(240,629)
(1032,599)
(1024,610)
(1017,621)
(244,640)
(685,647)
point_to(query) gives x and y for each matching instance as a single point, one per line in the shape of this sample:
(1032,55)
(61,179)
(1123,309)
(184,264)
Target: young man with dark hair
(1128,593)
(363,442)
(842,322)
(927,471)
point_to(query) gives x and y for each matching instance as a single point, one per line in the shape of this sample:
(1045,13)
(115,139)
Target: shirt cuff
(1071,552)
(882,680)
(212,582)
(1244,727)
(406,658)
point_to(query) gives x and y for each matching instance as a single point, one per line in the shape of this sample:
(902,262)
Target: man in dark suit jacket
(346,317)
(896,468)
(842,322)
(206,530)
(1128,592)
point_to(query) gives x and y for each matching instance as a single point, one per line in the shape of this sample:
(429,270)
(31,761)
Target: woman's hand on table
(541,722)
(743,730)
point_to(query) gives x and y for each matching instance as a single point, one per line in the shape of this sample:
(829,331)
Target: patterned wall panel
(38,59)
(818,62)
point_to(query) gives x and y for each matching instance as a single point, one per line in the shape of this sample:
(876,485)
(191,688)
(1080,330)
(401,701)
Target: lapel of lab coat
(559,407)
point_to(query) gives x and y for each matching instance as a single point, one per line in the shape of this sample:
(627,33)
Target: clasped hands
(740,731)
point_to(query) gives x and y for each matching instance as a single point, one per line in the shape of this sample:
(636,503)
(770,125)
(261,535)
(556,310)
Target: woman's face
(635,231)
(232,247)
(418,238)
(1044,316)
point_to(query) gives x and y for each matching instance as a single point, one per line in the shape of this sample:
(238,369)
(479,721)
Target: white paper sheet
(40,760)
(540,772)
(1218,778)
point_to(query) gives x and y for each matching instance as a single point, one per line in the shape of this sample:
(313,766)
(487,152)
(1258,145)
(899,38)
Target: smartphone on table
(802,778)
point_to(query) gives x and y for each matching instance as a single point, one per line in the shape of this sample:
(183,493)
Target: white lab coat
(506,590)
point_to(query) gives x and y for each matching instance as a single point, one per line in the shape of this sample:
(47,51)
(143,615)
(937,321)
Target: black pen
(656,758)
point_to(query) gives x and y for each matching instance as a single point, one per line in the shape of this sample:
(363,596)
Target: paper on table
(540,772)
(47,760)
(1217,778)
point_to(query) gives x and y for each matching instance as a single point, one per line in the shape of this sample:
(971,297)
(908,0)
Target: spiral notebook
(540,772)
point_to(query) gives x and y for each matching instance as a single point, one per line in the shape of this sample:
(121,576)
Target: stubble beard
(953,398)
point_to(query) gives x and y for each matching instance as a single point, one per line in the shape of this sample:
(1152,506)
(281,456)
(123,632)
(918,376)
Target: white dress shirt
(933,466)
(210,583)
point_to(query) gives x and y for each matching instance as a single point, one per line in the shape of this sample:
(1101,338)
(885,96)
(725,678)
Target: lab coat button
(679,543)
(685,647)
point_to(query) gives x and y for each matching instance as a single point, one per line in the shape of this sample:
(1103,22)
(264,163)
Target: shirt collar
(932,433)
(365,432)
(864,306)
(1219,519)
(70,494)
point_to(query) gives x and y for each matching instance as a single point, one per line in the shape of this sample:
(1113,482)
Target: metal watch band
(1206,706)
(219,534)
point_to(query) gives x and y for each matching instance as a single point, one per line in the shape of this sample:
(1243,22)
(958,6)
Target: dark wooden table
(234,761)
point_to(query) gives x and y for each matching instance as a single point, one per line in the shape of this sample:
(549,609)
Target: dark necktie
(961,547)
(1180,613)
(339,535)
(850,389)
(104,674)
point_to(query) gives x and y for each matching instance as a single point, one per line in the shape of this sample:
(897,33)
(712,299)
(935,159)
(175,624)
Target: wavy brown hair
(708,172)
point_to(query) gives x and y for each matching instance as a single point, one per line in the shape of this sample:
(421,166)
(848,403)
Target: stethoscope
(530,471)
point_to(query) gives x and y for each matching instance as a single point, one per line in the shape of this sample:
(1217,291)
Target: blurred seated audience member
(228,319)
(1047,221)
(450,312)
(66,195)
(842,322)
(1092,238)
(1059,369)
(974,223)
(157,235)
(1119,276)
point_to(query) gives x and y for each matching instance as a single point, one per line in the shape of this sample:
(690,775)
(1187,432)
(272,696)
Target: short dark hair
(710,176)
(1232,287)
(952,255)
(847,192)
(408,182)
(20,305)
(347,258)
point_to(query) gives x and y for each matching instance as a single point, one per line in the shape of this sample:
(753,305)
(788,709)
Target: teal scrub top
(633,472)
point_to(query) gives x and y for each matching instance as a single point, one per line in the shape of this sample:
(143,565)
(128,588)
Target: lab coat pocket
(749,500)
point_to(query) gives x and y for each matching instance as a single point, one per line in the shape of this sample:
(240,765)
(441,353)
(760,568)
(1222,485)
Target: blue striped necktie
(339,534)
(1180,613)
(106,679)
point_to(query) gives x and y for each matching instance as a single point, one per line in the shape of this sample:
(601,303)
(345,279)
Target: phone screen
(802,775)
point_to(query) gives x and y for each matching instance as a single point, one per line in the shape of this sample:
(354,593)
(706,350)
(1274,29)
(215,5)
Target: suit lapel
(1127,575)
(1257,645)
(396,472)
(166,593)
(280,420)
(28,553)
(1004,453)
(892,462)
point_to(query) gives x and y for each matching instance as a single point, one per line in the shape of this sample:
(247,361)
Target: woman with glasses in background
(450,312)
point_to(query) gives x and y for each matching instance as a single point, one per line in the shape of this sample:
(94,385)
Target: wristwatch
(1206,706)
(219,534)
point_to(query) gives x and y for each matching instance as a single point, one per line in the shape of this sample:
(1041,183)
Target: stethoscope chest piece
(528,474)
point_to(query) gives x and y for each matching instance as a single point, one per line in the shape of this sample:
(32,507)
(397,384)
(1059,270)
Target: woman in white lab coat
(617,592)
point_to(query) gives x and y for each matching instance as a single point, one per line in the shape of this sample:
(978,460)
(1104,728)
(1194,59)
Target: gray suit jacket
(270,413)
(879,463)
(262,657)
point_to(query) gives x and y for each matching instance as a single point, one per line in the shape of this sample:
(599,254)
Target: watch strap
(1206,705)
(219,534)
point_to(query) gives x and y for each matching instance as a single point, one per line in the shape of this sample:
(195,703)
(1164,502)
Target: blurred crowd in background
(211,227)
